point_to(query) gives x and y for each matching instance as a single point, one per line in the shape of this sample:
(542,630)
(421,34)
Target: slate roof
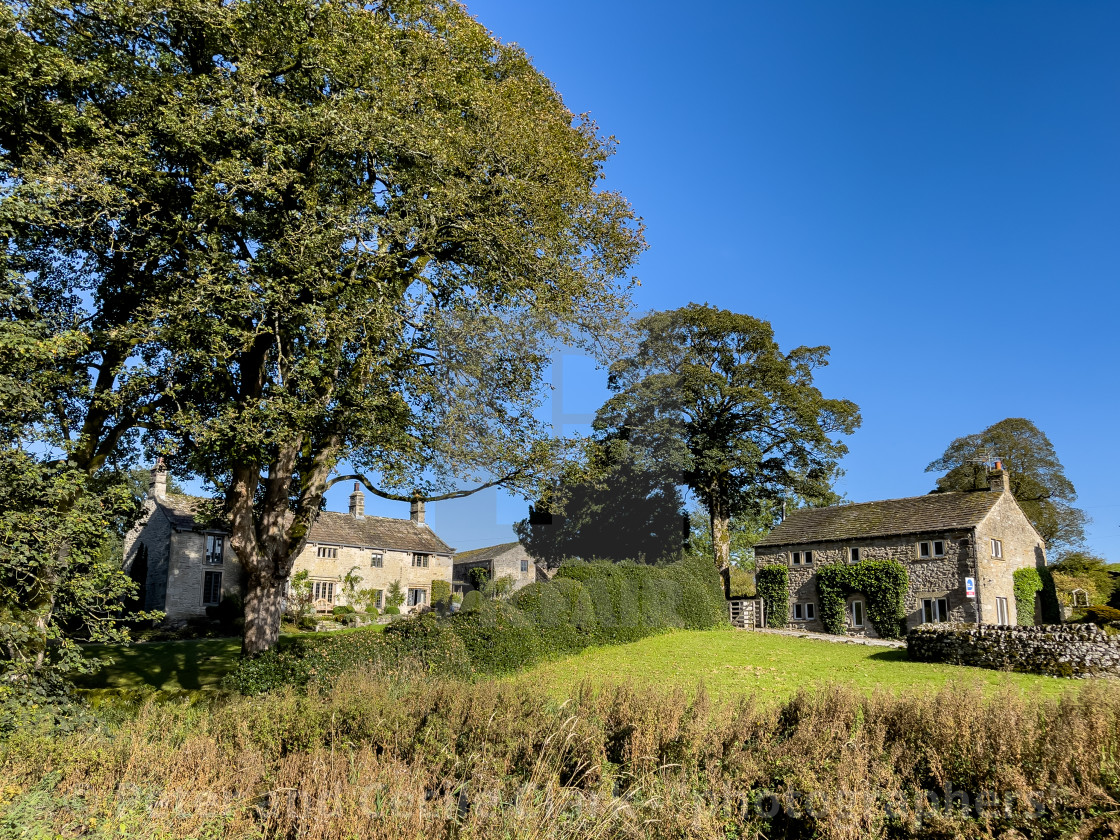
(330,527)
(484,555)
(890,517)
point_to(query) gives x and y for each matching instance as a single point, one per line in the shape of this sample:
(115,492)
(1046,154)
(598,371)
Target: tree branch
(416,497)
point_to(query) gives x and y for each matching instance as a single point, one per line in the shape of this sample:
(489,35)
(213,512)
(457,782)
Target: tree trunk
(263,599)
(721,539)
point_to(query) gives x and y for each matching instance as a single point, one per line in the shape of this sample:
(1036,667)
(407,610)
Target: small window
(931,548)
(935,610)
(211,588)
(376,560)
(524,566)
(214,545)
(1001,612)
(322,590)
(938,548)
(804,612)
(420,561)
(328,552)
(997,549)
(857,613)
(810,611)
(853,555)
(808,557)
(417,597)
(795,558)
(798,612)
(378,598)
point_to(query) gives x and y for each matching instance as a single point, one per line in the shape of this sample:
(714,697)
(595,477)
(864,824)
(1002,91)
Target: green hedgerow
(772,585)
(882,582)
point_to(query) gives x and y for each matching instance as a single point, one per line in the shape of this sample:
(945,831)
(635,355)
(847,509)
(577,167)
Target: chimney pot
(416,512)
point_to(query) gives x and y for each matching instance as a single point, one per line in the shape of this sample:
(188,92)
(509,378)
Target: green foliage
(499,587)
(772,585)
(1038,479)
(1081,570)
(472,601)
(585,604)
(1099,615)
(299,602)
(230,613)
(394,597)
(477,576)
(350,583)
(709,393)
(342,609)
(368,599)
(1028,582)
(883,583)
(441,594)
(1049,603)
(742,583)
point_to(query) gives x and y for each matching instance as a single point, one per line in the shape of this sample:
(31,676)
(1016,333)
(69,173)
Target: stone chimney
(357,502)
(998,479)
(416,512)
(157,486)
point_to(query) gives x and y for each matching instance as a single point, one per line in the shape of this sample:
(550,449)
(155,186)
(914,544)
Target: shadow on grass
(892,655)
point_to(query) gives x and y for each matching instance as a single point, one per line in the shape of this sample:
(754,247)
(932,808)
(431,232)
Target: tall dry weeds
(380,758)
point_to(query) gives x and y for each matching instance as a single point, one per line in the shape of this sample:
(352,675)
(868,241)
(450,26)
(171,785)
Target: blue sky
(932,189)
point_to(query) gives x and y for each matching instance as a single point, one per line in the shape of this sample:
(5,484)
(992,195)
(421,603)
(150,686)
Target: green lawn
(195,665)
(732,662)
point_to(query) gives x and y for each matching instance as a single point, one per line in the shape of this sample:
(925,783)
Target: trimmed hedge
(882,582)
(772,585)
(1028,582)
(586,604)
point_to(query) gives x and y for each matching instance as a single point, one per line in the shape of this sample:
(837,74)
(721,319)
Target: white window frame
(931,608)
(205,575)
(862,614)
(795,558)
(420,561)
(804,611)
(931,552)
(215,548)
(322,590)
(524,567)
(997,549)
(327,552)
(377,560)
(412,600)
(1003,615)
(853,554)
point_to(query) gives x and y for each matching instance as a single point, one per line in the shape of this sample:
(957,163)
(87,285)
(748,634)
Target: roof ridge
(933,494)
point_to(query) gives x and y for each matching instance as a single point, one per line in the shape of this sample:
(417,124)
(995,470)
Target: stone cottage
(506,560)
(179,552)
(945,540)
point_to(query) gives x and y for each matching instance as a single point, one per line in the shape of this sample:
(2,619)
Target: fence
(747,613)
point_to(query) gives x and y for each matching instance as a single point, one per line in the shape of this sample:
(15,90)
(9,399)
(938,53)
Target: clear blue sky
(930,188)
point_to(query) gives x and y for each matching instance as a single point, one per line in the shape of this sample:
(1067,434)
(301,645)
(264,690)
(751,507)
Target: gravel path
(843,640)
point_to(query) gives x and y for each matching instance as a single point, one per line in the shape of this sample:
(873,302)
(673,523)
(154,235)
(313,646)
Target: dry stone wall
(1060,650)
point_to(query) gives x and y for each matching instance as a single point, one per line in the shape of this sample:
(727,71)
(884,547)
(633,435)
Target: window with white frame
(857,613)
(997,549)
(524,566)
(799,558)
(376,560)
(322,590)
(328,552)
(211,588)
(215,543)
(1002,614)
(928,549)
(417,597)
(935,610)
(420,561)
(804,611)
(853,555)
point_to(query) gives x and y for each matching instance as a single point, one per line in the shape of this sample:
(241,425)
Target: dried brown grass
(419,759)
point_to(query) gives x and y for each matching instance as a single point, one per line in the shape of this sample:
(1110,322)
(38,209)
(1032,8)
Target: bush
(498,637)
(478,576)
(1028,582)
(1099,615)
(441,594)
(342,610)
(472,601)
(372,611)
(307,623)
(391,610)
(229,612)
(772,584)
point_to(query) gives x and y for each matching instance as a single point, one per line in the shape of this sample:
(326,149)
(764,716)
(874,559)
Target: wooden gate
(747,613)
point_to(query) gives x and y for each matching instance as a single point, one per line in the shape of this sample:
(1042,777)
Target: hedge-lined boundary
(586,604)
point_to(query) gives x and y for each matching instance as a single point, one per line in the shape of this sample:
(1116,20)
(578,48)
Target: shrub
(882,582)
(478,576)
(472,601)
(342,610)
(230,613)
(392,610)
(1028,582)
(562,611)
(441,594)
(498,637)
(307,623)
(1099,615)
(742,583)
(772,585)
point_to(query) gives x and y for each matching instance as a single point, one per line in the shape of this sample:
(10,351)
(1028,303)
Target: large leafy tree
(317,233)
(709,392)
(621,509)
(1038,479)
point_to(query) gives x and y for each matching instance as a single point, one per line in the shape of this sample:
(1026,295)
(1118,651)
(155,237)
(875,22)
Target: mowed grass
(771,667)
(194,665)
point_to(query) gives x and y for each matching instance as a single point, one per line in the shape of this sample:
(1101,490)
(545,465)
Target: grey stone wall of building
(186,567)
(935,577)
(152,535)
(1060,650)
(506,564)
(1021,547)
